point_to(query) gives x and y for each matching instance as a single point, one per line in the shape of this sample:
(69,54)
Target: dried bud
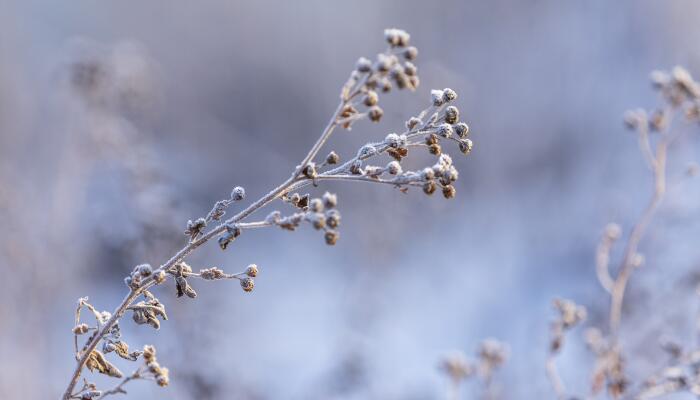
(413,122)
(461,129)
(80,329)
(212,273)
(449,191)
(247,284)
(144,270)
(437,97)
(396,37)
(451,114)
(410,69)
(331,237)
(333,219)
(363,65)
(392,140)
(159,277)
(427,174)
(435,149)
(375,113)
(411,53)
(445,130)
(431,139)
(330,200)
(394,168)
(465,146)
(238,193)
(316,205)
(252,270)
(332,158)
(448,95)
(371,98)
(429,187)
(310,170)
(194,228)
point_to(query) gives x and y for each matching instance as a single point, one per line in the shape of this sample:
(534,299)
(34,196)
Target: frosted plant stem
(190,247)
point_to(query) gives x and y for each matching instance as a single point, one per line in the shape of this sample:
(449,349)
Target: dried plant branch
(440,121)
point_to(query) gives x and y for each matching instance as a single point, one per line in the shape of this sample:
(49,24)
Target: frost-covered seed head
(367,150)
(310,170)
(252,270)
(397,37)
(461,129)
(316,205)
(427,174)
(392,140)
(371,98)
(429,187)
(449,191)
(238,193)
(332,158)
(435,149)
(375,113)
(437,97)
(144,270)
(410,69)
(465,146)
(331,237)
(451,114)
(448,95)
(411,53)
(247,284)
(332,219)
(394,168)
(330,200)
(159,277)
(413,122)
(445,130)
(363,65)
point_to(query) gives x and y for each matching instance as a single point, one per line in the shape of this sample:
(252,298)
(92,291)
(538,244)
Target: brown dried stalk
(439,122)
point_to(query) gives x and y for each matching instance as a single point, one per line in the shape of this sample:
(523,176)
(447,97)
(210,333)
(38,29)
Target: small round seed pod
(316,205)
(252,270)
(437,97)
(435,149)
(461,129)
(80,329)
(310,170)
(332,158)
(429,187)
(145,270)
(410,69)
(393,140)
(371,98)
(333,219)
(394,168)
(448,95)
(413,122)
(451,115)
(375,113)
(363,65)
(411,53)
(331,237)
(427,174)
(330,200)
(431,139)
(238,193)
(465,146)
(445,130)
(247,284)
(385,86)
(449,191)
(318,220)
(159,277)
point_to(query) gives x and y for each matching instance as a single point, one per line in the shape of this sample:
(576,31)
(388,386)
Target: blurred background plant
(543,85)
